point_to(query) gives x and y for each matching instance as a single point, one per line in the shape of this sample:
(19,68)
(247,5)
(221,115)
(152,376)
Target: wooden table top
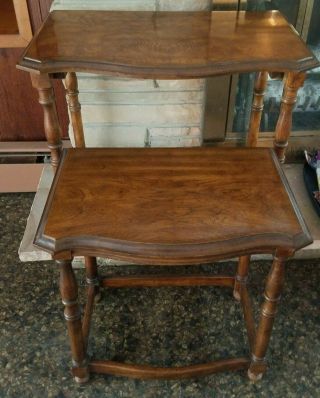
(170,206)
(166,44)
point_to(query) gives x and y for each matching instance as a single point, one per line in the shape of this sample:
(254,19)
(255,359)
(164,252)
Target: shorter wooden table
(170,207)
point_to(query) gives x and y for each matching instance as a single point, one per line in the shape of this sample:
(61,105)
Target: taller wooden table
(168,206)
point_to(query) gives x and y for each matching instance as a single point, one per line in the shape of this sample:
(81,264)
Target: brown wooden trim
(167,280)
(23,21)
(38,10)
(35,14)
(149,372)
(99,251)
(221,68)
(49,199)
(96,246)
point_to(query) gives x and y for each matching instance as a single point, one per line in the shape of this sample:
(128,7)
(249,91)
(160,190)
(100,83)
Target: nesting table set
(159,206)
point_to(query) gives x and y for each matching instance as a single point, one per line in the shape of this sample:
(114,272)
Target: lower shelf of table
(28,252)
(138,371)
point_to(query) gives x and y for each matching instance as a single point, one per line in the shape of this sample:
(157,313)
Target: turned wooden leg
(241,277)
(71,82)
(72,314)
(257,108)
(292,82)
(92,277)
(252,139)
(52,128)
(272,297)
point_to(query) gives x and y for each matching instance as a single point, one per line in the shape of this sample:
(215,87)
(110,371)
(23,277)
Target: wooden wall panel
(38,10)
(8,21)
(21,117)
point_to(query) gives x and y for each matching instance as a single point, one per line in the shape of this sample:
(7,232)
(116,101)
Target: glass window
(306,115)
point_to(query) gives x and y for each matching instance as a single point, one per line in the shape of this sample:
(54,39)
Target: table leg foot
(257,368)
(80,372)
(241,277)
(236,295)
(81,380)
(98,297)
(254,376)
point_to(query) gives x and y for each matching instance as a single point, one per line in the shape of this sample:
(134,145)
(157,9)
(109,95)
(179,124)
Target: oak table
(168,206)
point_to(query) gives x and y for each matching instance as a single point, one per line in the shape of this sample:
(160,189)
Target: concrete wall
(125,112)
(131,5)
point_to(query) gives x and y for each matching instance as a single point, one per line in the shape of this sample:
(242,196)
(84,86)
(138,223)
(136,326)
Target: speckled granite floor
(161,326)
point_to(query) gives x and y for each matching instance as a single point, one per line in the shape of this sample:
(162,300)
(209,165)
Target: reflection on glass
(289,8)
(306,115)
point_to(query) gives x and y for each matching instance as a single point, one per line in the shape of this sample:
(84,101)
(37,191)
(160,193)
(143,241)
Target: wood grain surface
(8,21)
(166,44)
(146,372)
(21,117)
(166,206)
(38,10)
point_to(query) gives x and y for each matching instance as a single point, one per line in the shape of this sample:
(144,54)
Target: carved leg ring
(72,314)
(71,82)
(241,277)
(272,297)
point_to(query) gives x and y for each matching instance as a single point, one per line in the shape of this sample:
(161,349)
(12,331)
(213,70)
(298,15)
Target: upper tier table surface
(164,204)
(166,44)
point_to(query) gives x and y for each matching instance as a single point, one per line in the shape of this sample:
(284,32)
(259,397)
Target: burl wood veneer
(168,206)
